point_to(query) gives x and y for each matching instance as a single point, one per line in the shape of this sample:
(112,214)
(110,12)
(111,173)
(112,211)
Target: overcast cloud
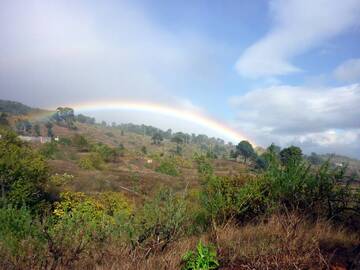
(324,117)
(54,52)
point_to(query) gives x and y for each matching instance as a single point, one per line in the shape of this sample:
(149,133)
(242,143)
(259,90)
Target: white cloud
(298,26)
(348,71)
(324,117)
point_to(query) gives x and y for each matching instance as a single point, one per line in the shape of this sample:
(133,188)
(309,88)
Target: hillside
(125,196)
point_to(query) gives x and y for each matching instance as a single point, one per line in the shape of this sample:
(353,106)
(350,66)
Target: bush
(162,219)
(107,153)
(23,172)
(203,165)
(49,150)
(91,162)
(80,142)
(82,223)
(318,193)
(204,258)
(168,166)
(20,235)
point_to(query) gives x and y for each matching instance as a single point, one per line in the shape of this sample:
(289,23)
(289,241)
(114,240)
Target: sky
(282,71)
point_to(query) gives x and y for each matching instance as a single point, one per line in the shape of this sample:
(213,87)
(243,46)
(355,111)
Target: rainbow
(179,113)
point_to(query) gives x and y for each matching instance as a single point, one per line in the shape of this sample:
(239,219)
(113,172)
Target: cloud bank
(297,27)
(326,119)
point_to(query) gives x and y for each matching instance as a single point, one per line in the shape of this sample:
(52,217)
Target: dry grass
(284,243)
(280,242)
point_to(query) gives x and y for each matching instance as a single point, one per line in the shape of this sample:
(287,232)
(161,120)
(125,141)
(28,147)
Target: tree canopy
(292,154)
(245,149)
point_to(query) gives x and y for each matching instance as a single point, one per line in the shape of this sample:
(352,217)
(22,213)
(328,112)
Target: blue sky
(283,71)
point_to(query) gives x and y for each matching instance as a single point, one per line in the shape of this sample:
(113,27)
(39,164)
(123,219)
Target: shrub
(80,142)
(60,179)
(91,162)
(162,219)
(83,223)
(20,235)
(23,172)
(49,150)
(204,258)
(168,166)
(107,153)
(292,154)
(203,165)
(65,141)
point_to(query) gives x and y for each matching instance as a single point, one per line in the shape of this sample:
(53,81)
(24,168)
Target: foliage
(91,161)
(108,203)
(19,231)
(292,154)
(65,141)
(204,258)
(4,122)
(23,127)
(261,162)
(80,142)
(157,138)
(144,149)
(107,153)
(13,107)
(23,172)
(168,166)
(162,219)
(49,127)
(274,149)
(85,119)
(203,165)
(49,150)
(245,149)
(178,138)
(60,179)
(65,116)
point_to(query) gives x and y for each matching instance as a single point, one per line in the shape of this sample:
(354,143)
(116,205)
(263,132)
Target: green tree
(23,172)
(49,127)
(292,154)
(157,138)
(245,149)
(274,149)
(65,115)
(23,127)
(261,162)
(178,139)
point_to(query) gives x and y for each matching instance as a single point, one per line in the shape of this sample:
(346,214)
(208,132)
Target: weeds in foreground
(204,258)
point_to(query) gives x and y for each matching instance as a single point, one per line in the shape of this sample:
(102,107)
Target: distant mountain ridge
(14,107)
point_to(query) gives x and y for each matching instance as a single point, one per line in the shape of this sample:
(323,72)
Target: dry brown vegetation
(260,239)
